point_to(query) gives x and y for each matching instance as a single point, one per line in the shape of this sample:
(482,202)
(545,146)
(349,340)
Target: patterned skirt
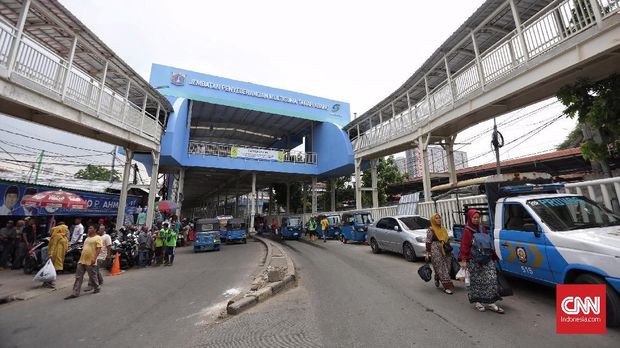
(441,265)
(483,283)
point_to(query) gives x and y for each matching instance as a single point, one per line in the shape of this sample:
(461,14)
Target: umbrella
(167,206)
(52,200)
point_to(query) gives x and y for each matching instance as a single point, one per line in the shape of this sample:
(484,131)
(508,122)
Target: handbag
(447,248)
(454,269)
(503,288)
(425,272)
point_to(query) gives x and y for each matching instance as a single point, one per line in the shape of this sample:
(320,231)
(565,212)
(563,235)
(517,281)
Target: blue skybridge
(229,138)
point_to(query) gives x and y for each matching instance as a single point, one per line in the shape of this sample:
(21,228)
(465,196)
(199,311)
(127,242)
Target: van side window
(515,216)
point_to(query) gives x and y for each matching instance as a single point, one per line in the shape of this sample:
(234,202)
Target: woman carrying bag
(478,256)
(438,249)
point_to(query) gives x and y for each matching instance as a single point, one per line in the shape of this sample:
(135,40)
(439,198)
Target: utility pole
(39,160)
(113,162)
(497,141)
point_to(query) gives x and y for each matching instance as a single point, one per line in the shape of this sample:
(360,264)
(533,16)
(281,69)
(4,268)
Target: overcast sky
(357,52)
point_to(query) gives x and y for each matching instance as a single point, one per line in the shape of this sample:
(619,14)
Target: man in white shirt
(104,256)
(78,231)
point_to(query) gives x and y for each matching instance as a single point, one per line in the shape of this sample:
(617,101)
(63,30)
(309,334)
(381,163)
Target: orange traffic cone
(116,266)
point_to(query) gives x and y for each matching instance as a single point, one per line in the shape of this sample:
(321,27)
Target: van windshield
(294,222)
(572,213)
(333,220)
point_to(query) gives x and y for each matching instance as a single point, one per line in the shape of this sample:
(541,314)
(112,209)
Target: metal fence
(225,150)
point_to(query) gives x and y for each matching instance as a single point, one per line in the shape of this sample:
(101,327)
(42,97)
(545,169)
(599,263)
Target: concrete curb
(254,297)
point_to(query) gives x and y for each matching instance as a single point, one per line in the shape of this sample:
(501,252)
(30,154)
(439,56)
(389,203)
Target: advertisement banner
(99,204)
(262,154)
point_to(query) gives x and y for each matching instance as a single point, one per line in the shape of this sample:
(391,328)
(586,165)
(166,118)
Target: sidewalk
(15,285)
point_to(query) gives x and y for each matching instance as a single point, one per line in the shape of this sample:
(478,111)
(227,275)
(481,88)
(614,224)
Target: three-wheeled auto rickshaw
(333,227)
(237,231)
(207,236)
(355,226)
(291,227)
(222,221)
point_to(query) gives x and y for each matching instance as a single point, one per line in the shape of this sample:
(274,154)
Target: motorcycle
(35,259)
(126,245)
(73,254)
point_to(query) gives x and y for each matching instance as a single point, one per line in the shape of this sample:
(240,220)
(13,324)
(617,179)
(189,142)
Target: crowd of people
(156,245)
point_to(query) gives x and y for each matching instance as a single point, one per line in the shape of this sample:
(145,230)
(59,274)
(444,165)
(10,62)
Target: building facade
(437,159)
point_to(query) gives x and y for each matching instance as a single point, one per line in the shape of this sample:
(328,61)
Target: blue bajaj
(355,226)
(237,231)
(333,227)
(291,227)
(207,236)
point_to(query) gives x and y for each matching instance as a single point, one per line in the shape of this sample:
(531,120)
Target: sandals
(480,307)
(448,291)
(495,308)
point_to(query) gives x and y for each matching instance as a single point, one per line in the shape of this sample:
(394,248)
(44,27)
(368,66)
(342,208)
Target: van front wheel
(612,298)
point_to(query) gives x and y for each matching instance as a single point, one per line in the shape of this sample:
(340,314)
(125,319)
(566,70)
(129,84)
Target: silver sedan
(403,234)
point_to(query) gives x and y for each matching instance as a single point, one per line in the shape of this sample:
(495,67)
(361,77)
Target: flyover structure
(507,55)
(226,139)
(56,72)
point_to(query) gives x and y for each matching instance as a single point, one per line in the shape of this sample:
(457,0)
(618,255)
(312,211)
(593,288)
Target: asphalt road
(153,307)
(349,297)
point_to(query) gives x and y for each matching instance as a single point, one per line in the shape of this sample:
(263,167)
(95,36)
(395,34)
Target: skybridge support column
(426,175)
(150,205)
(449,147)
(23,13)
(373,176)
(358,184)
(252,203)
(314,209)
(179,197)
(120,216)
(517,20)
(288,198)
(333,194)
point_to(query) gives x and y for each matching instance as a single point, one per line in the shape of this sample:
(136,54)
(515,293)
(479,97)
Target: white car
(403,234)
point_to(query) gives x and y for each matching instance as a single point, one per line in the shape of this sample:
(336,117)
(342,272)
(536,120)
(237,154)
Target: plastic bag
(462,273)
(425,272)
(46,274)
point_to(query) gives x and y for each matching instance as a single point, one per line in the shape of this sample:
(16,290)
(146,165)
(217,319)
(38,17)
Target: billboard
(99,204)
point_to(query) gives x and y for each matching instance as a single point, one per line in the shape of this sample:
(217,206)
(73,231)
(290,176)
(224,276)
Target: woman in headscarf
(58,245)
(436,240)
(483,277)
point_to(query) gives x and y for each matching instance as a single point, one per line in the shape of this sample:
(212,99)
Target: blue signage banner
(99,204)
(218,90)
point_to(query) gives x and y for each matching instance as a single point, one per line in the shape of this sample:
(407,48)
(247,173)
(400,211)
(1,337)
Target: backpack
(481,248)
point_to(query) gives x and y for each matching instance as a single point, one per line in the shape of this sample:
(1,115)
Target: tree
(387,174)
(597,108)
(94,172)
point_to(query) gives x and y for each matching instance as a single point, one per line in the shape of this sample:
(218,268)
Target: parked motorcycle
(125,243)
(35,259)
(73,254)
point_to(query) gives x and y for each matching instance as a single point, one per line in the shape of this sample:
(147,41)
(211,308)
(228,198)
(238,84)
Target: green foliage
(387,174)
(94,172)
(596,104)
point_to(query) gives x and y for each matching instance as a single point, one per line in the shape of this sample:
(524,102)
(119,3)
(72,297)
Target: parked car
(403,234)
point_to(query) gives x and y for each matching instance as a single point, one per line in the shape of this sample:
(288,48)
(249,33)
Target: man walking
(104,256)
(88,260)
(324,227)
(312,228)
(171,243)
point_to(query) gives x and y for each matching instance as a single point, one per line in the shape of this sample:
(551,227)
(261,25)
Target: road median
(278,274)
